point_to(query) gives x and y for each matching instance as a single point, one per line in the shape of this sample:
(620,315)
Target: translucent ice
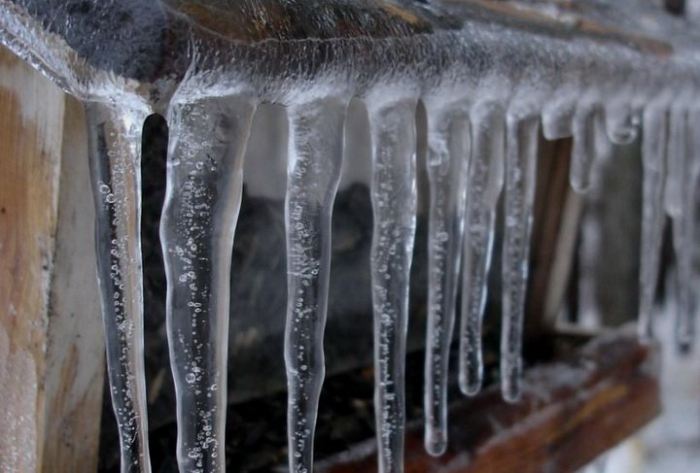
(654,139)
(448,154)
(522,135)
(115,161)
(203,198)
(393,190)
(314,164)
(485,181)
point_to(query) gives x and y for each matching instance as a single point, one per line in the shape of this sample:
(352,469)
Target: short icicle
(654,137)
(685,233)
(557,120)
(621,124)
(203,199)
(522,137)
(583,151)
(393,190)
(484,185)
(115,161)
(314,165)
(448,155)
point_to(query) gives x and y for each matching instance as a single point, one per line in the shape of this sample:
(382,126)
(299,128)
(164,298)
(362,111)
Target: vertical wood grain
(50,335)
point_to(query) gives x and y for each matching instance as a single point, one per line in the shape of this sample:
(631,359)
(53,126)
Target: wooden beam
(571,412)
(50,333)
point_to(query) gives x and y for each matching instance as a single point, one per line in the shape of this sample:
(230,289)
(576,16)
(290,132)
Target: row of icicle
(473,153)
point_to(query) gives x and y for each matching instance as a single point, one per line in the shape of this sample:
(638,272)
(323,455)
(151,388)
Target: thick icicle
(557,120)
(315,159)
(448,154)
(484,184)
(684,229)
(583,151)
(522,136)
(654,137)
(115,161)
(393,189)
(205,182)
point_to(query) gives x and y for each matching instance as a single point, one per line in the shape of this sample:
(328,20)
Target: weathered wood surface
(571,412)
(50,336)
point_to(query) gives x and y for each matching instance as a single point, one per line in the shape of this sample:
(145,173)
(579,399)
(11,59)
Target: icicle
(556,120)
(583,151)
(522,137)
(654,137)
(684,231)
(484,184)
(393,191)
(115,160)
(448,148)
(621,124)
(315,158)
(677,151)
(205,182)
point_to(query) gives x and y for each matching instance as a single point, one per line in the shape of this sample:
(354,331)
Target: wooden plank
(31,132)
(50,352)
(571,412)
(75,350)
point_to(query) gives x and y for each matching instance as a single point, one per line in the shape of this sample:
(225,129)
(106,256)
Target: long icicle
(315,159)
(393,135)
(205,182)
(484,185)
(654,137)
(115,161)
(684,234)
(448,155)
(522,135)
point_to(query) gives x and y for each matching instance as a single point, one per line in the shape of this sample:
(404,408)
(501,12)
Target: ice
(115,161)
(447,163)
(621,123)
(522,135)
(654,139)
(393,190)
(203,198)
(474,70)
(684,231)
(485,181)
(314,165)
(583,151)
(677,155)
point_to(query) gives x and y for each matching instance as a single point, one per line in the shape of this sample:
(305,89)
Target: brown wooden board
(571,412)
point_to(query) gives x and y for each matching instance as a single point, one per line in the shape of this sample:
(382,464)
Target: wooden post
(50,330)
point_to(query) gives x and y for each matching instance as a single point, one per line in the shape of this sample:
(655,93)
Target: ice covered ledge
(277,48)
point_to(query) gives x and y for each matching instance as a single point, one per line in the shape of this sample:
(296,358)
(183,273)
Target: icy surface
(203,198)
(654,139)
(315,161)
(393,136)
(448,159)
(115,152)
(484,185)
(520,166)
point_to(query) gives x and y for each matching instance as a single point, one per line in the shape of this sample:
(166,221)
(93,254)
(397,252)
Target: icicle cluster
(489,90)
